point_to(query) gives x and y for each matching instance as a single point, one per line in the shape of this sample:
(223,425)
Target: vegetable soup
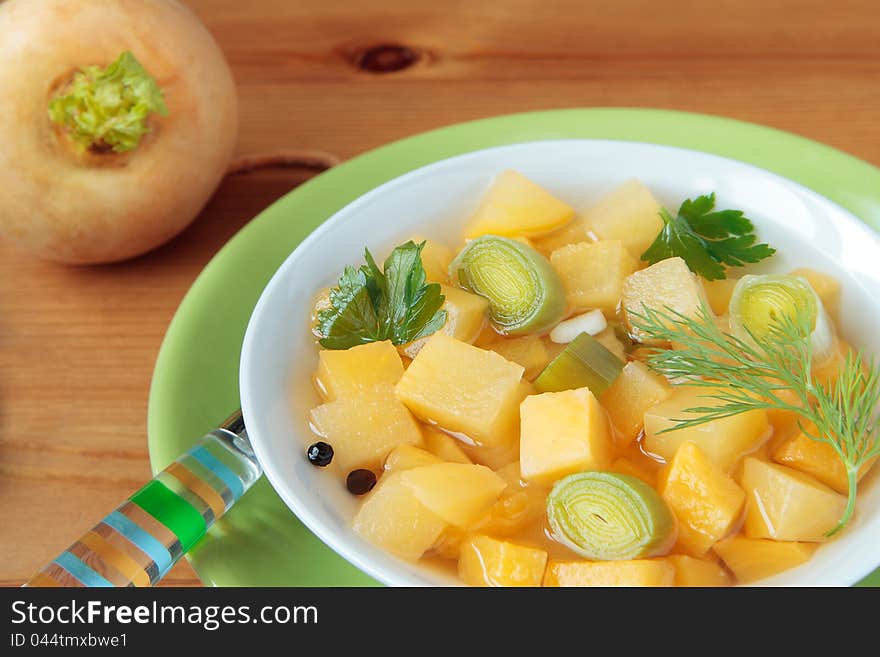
(602,399)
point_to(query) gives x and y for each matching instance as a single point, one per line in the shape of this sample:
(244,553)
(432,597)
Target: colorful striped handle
(142,539)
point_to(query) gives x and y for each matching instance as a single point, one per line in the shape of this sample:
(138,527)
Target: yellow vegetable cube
(406,457)
(467,312)
(787,505)
(466,315)
(826,286)
(816,459)
(436,257)
(667,285)
(718,293)
(444,446)
(634,392)
(724,441)
(363,429)
(698,572)
(464,389)
(392,518)
(345,373)
(706,501)
(530,351)
(486,561)
(562,433)
(573,232)
(593,274)
(637,572)
(752,559)
(457,492)
(515,206)
(630,214)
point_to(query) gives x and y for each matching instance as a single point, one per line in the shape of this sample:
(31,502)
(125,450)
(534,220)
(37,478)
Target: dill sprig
(773,372)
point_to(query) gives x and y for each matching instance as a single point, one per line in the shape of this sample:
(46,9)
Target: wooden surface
(77,345)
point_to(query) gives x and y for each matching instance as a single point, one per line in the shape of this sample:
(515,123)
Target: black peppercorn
(320,454)
(360,481)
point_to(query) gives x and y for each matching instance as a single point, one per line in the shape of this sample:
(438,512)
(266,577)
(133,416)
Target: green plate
(195,384)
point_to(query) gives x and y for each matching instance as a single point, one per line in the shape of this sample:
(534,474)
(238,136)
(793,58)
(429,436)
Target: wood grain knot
(385,58)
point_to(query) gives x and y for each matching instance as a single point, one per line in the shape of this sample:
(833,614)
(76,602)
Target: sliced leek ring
(525,293)
(760,302)
(607,516)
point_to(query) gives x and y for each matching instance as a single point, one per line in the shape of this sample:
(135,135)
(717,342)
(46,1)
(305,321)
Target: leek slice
(585,362)
(525,293)
(607,516)
(760,302)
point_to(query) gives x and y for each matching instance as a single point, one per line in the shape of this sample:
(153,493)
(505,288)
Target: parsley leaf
(707,240)
(371,305)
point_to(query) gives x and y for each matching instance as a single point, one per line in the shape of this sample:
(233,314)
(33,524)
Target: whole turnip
(117,123)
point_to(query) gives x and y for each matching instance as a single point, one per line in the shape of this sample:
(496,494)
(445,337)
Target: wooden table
(77,345)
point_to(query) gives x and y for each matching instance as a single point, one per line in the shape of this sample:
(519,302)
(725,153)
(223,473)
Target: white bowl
(279,355)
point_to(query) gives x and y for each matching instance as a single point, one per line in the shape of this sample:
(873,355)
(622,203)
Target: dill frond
(774,372)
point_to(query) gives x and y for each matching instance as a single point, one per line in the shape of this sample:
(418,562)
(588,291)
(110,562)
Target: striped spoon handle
(143,538)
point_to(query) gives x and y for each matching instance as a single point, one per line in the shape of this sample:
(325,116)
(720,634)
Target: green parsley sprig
(707,240)
(763,374)
(371,305)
